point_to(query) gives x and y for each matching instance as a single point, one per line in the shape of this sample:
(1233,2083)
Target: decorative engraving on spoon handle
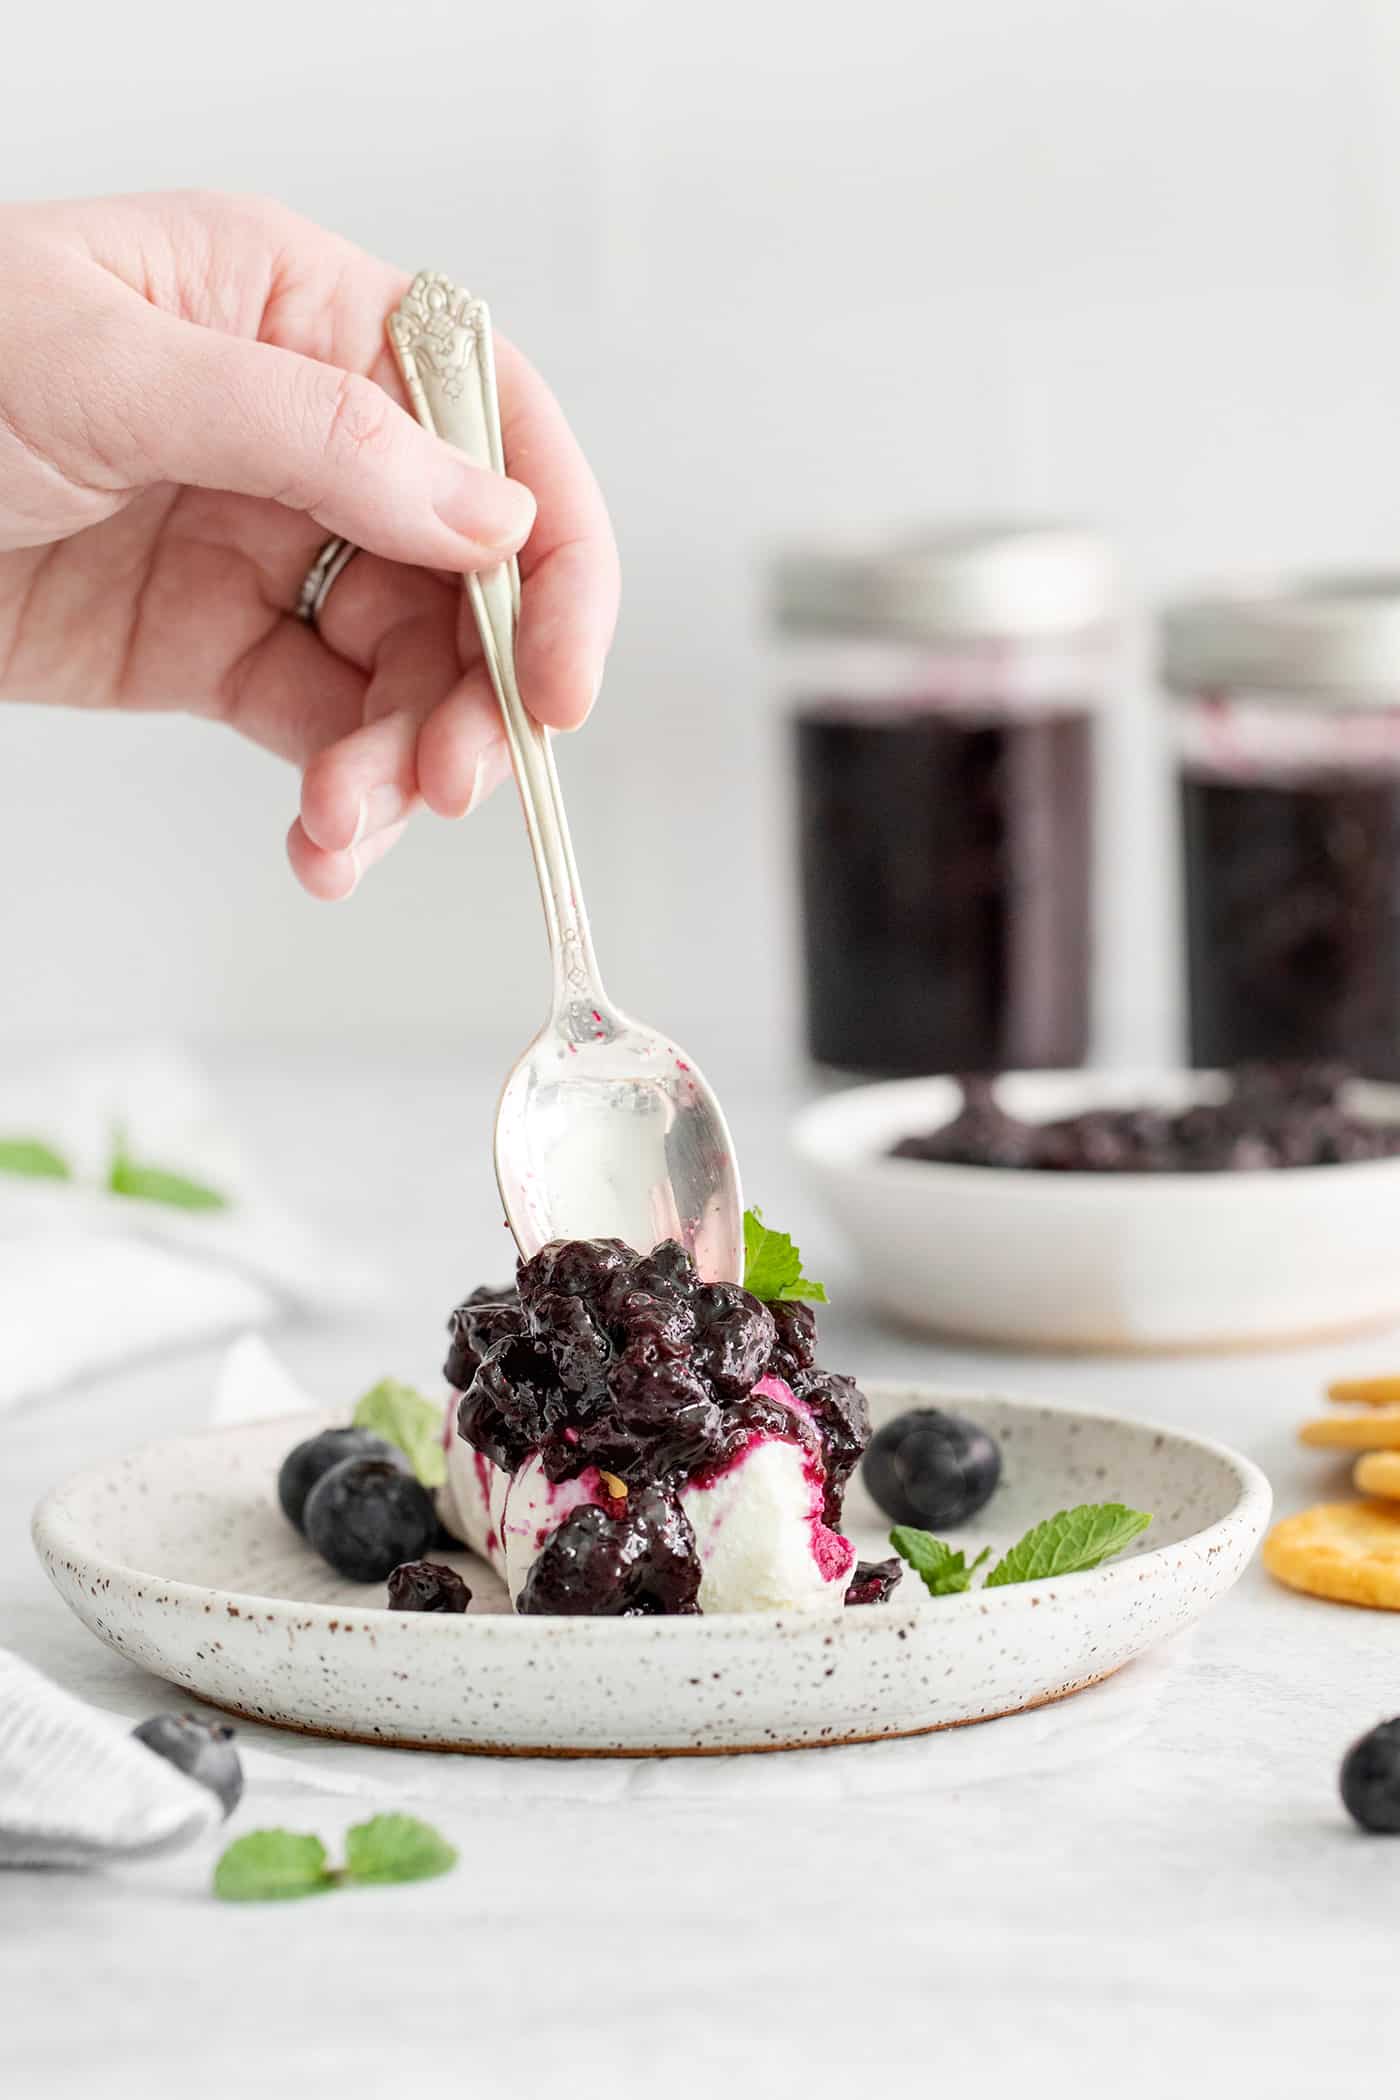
(441,337)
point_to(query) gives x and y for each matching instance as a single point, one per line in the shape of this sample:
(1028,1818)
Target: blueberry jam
(874,1582)
(1272,1116)
(1293,918)
(598,1357)
(945,858)
(427,1585)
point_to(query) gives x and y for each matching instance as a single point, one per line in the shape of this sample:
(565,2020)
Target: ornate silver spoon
(605,1128)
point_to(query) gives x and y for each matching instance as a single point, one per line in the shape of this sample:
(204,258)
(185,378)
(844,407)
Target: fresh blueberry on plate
(1371,1779)
(303,1467)
(931,1469)
(201,1749)
(368,1515)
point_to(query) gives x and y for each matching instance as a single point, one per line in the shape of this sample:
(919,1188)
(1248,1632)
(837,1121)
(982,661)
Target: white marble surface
(1151,1889)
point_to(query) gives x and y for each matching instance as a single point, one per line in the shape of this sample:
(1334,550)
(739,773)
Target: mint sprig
(773,1266)
(34,1159)
(272,1866)
(396,1848)
(130,1177)
(1068,1543)
(403,1417)
(944,1573)
(275,1866)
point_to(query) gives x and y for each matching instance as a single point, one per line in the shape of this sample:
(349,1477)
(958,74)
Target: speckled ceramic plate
(179,1558)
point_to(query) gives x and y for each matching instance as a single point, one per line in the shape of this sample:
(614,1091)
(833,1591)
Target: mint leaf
(773,1266)
(1068,1543)
(943,1572)
(128,1177)
(396,1848)
(32,1157)
(405,1418)
(272,1866)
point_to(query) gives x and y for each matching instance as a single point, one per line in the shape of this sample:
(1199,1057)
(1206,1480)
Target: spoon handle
(442,339)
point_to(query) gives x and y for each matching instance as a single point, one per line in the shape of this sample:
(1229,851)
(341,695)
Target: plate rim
(1251,1507)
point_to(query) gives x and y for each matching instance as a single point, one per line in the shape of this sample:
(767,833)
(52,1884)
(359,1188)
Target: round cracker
(1365,1392)
(1378,1473)
(1374,1429)
(1349,1551)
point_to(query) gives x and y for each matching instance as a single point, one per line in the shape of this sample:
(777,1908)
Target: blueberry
(874,1582)
(931,1469)
(483,1318)
(426,1585)
(737,1336)
(632,1566)
(201,1749)
(303,1467)
(842,1415)
(668,1266)
(573,1268)
(503,1411)
(796,1347)
(366,1516)
(567,1329)
(1370,1779)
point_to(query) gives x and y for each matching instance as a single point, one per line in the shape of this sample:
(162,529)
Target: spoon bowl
(605,1129)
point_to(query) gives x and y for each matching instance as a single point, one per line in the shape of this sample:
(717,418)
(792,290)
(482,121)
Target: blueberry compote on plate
(635,1434)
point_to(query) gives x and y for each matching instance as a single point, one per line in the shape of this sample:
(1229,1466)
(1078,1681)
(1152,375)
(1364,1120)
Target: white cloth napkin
(74,1786)
(89,1280)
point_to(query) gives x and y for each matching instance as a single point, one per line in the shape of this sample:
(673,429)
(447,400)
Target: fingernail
(486,508)
(383,805)
(377,845)
(597,685)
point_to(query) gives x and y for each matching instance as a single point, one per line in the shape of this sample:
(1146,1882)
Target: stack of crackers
(1350,1551)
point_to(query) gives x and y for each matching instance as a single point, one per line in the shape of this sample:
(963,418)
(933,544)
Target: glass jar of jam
(1289,738)
(944,694)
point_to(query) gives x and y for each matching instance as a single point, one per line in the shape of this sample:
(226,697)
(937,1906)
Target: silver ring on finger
(320,579)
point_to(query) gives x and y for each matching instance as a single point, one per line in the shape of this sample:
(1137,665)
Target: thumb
(216,411)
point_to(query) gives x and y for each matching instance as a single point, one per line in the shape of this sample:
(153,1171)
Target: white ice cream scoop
(605,1128)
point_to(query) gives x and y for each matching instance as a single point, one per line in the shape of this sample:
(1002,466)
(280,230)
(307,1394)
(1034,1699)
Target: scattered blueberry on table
(203,1750)
(1370,1779)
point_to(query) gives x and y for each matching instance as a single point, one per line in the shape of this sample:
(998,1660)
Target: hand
(195,393)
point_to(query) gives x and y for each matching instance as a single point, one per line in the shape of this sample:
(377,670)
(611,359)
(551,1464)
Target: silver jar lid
(1333,641)
(975,583)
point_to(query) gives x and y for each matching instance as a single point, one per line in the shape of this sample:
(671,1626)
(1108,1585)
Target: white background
(1134,260)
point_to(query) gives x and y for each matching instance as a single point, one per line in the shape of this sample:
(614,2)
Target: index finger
(569,565)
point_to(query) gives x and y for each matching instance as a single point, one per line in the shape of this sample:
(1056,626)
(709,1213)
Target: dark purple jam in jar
(1289,731)
(945,871)
(944,739)
(1293,920)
